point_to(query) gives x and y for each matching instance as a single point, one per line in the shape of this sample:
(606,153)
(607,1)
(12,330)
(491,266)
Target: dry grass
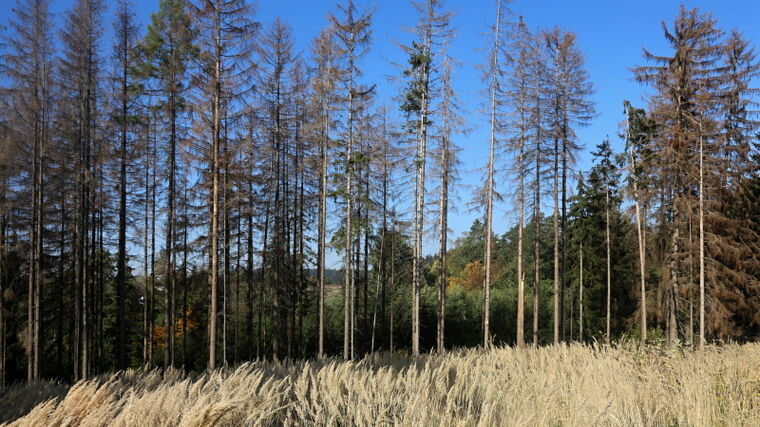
(564,385)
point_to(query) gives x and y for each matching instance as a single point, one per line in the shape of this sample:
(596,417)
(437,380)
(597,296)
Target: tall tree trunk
(640,230)
(153,217)
(169,285)
(322,230)
(302,284)
(31,344)
(121,264)
(215,146)
(701,244)
(419,198)
(563,235)
(213,237)
(263,278)
(556,242)
(580,293)
(101,280)
(225,248)
(520,336)
(443,238)
(537,245)
(537,215)
(185,285)
(236,318)
(490,183)
(249,277)
(347,274)
(3,273)
(609,268)
(673,290)
(365,260)
(384,236)
(146,294)
(60,291)
(393,289)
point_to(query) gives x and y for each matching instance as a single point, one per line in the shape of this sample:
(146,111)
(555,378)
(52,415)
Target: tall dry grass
(557,385)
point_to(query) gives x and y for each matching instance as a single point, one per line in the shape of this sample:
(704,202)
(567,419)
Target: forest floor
(623,385)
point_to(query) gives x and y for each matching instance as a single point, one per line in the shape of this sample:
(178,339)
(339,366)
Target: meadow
(622,385)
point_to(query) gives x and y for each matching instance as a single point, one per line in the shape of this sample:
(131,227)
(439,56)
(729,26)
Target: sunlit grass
(556,385)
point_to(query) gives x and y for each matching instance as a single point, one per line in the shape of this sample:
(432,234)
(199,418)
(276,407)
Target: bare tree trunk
(146,294)
(419,206)
(537,215)
(365,258)
(640,230)
(673,290)
(152,291)
(354,294)
(348,273)
(31,344)
(537,244)
(235,323)
(384,234)
(443,237)
(214,239)
(563,237)
(393,288)
(101,281)
(225,246)
(85,277)
(169,285)
(60,291)
(609,268)
(520,338)
(152,295)
(40,277)
(262,283)
(701,244)
(556,242)
(185,285)
(379,276)
(3,273)
(419,192)
(322,232)
(249,260)
(580,293)
(122,254)
(216,136)
(490,179)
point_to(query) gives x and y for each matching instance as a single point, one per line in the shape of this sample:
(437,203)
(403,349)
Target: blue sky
(611,34)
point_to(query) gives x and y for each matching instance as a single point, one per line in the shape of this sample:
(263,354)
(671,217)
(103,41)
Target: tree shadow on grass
(18,400)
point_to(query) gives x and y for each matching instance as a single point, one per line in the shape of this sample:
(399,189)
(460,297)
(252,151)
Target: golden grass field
(553,386)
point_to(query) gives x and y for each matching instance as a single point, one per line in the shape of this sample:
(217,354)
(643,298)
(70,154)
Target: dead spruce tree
(517,96)
(167,49)
(225,39)
(430,31)
(324,98)
(686,85)
(28,64)
(80,71)
(571,106)
(353,35)
(126,93)
(451,122)
(494,73)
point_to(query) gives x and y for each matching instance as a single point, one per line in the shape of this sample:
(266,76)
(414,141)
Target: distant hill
(334,277)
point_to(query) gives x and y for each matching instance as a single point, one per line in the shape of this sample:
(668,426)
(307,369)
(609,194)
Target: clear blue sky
(611,34)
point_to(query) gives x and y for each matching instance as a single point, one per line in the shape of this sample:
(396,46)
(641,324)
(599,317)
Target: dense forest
(170,196)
